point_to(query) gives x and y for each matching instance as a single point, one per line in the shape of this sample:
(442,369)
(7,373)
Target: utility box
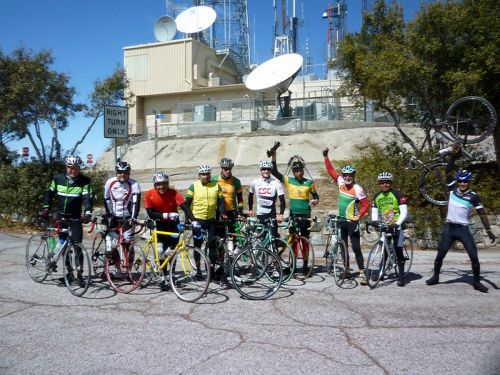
(204,113)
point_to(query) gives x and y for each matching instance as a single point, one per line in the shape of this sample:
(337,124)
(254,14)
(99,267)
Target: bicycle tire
(341,266)
(286,256)
(99,255)
(470,119)
(433,184)
(408,255)
(130,273)
(303,249)
(257,273)
(37,257)
(77,269)
(151,272)
(189,283)
(375,265)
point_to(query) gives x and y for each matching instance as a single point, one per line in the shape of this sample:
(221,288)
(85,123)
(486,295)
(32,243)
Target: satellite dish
(195,19)
(277,72)
(165,29)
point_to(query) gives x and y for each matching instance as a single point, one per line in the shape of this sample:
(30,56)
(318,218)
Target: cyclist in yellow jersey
(204,197)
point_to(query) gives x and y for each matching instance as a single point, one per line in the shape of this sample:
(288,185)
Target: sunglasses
(265,169)
(385,182)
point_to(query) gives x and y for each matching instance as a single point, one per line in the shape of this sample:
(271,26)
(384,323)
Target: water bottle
(160,250)
(109,243)
(230,247)
(168,252)
(59,246)
(446,151)
(237,249)
(52,245)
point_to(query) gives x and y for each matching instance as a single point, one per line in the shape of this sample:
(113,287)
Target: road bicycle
(469,120)
(382,257)
(116,259)
(336,255)
(302,248)
(42,256)
(189,268)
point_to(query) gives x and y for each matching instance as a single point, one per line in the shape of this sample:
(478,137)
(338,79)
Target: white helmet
(349,169)
(73,160)
(385,176)
(204,169)
(160,177)
(265,164)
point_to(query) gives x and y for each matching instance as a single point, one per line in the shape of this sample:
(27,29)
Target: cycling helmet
(160,177)
(464,175)
(349,169)
(265,164)
(204,169)
(122,166)
(385,176)
(73,160)
(226,162)
(297,164)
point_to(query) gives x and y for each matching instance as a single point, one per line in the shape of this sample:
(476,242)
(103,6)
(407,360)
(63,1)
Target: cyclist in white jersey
(462,200)
(122,199)
(266,190)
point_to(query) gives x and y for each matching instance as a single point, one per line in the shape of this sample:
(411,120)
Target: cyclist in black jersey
(462,199)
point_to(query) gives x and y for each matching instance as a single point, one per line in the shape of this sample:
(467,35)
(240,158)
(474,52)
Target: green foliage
(24,186)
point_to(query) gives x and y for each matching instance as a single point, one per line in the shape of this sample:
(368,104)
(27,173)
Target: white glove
(170,216)
(195,225)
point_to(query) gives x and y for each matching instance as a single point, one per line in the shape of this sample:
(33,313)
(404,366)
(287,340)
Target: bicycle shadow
(466,277)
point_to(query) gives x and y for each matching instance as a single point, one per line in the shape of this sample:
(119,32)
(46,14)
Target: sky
(87,40)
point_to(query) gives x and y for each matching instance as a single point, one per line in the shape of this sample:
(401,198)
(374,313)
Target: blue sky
(87,37)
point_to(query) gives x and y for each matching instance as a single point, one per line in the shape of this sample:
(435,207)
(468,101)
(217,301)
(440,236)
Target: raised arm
(329,167)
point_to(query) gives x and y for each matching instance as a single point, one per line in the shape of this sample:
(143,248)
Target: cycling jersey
(204,199)
(122,199)
(266,191)
(231,188)
(70,194)
(161,203)
(350,198)
(460,205)
(387,203)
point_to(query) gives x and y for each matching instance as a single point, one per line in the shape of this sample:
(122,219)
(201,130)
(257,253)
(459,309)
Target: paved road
(312,328)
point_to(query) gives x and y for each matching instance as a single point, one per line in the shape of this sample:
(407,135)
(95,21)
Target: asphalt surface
(306,328)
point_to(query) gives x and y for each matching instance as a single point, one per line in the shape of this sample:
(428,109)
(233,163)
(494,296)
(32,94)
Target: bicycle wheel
(125,271)
(256,273)
(470,119)
(286,256)
(433,184)
(99,255)
(408,255)
(375,265)
(304,257)
(37,257)
(340,265)
(77,269)
(189,283)
(152,272)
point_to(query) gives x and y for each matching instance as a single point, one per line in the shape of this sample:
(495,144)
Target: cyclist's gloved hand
(491,236)
(86,219)
(173,216)
(44,213)
(325,152)
(393,227)
(196,225)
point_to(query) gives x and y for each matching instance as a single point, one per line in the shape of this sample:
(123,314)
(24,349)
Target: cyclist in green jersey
(391,206)
(299,189)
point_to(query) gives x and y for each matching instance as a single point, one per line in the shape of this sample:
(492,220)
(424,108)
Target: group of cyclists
(212,198)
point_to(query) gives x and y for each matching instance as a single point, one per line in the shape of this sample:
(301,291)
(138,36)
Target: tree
(112,91)
(33,96)
(448,51)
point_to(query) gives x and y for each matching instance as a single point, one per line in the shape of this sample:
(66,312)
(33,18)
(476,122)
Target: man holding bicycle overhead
(391,206)
(353,205)
(462,200)
(71,189)
(205,198)
(299,189)
(267,189)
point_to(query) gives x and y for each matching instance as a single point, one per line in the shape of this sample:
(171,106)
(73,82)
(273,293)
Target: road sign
(25,152)
(90,158)
(115,121)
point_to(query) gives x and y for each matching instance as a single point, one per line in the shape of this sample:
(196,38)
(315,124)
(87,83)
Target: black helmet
(297,164)
(122,166)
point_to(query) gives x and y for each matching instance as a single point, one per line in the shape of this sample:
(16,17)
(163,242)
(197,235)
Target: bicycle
(42,256)
(382,257)
(189,272)
(124,265)
(336,256)
(302,248)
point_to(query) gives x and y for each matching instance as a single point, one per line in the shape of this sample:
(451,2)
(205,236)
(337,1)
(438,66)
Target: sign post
(115,123)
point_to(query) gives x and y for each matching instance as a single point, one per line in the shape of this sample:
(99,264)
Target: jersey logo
(264,190)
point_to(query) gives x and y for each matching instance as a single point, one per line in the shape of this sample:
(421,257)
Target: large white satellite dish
(277,72)
(165,29)
(195,19)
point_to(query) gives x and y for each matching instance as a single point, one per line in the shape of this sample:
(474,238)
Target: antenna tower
(335,14)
